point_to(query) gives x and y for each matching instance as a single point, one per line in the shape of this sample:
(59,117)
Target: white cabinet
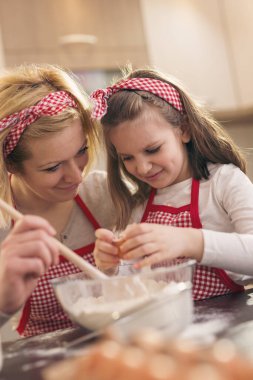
(238,16)
(206,44)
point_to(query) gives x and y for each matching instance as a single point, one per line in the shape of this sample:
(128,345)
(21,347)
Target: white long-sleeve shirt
(226,214)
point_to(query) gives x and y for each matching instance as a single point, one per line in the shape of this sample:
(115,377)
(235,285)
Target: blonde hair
(209,142)
(25,86)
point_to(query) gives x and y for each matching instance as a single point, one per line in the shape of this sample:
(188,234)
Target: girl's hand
(105,252)
(154,243)
(26,254)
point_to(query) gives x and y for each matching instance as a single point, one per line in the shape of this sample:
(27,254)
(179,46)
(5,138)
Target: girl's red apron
(42,313)
(207,281)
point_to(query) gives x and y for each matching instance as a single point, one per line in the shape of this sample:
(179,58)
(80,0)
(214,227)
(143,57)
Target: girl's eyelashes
(153,150)
(125,158)
(148,151)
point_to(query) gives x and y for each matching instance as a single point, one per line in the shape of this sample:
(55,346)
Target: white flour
(96,312)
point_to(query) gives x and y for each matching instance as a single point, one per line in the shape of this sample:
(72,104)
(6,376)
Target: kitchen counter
(225,316)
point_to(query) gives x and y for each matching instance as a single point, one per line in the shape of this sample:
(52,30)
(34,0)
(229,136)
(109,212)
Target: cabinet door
(239,26)
(32,31)
(207,44)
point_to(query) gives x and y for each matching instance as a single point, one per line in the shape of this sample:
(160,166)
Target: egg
(149,339)
(118,243)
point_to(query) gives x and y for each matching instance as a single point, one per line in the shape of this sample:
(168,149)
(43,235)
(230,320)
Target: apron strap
(149,204)
(87,212)
(24,317)
(194,207)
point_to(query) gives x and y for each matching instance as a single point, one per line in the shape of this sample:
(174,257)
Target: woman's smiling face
(152,149)
(54,171)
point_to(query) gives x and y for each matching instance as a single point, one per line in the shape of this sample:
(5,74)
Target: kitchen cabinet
(32,31)
(206,44)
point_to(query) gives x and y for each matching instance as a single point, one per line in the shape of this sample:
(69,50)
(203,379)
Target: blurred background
(205,44)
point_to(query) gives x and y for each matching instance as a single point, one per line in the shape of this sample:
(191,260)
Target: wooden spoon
(82,264)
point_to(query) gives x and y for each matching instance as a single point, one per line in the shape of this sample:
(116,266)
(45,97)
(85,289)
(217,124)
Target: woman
(47,142)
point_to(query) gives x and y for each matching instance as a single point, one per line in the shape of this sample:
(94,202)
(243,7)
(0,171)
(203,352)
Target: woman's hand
(105,252)
(154,243)
(26,254)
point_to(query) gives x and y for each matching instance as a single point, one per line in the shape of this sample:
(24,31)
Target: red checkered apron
(207,281)
(42,312)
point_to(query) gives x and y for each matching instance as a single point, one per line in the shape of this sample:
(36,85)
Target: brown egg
(103,362)
(186,352)
(64,370)
(161,367)
(118,243)
(204,371)
(143,363)
(131,364)
(149,339)
(225,355)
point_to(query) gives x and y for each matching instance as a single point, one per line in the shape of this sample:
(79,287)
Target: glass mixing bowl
(159,298)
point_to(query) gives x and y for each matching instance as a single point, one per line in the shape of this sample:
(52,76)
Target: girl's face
(152,150)
(54,171)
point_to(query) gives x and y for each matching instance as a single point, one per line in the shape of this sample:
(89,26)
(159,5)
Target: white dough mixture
(96,312)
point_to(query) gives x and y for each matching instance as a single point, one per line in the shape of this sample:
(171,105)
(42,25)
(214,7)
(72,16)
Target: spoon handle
(82,264)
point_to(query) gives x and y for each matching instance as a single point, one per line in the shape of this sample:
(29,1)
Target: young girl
(187,172)
(47,142)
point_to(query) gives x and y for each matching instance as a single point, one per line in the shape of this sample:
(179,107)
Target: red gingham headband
(52,104)
(159,88)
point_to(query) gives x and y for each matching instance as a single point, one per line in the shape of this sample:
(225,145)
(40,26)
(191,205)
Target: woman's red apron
(207,281)
(42,312)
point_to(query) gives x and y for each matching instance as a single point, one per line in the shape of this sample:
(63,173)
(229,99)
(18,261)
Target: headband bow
(159,88)
(52,104)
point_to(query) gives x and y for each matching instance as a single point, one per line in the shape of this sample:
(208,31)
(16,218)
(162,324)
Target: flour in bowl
(97,312)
